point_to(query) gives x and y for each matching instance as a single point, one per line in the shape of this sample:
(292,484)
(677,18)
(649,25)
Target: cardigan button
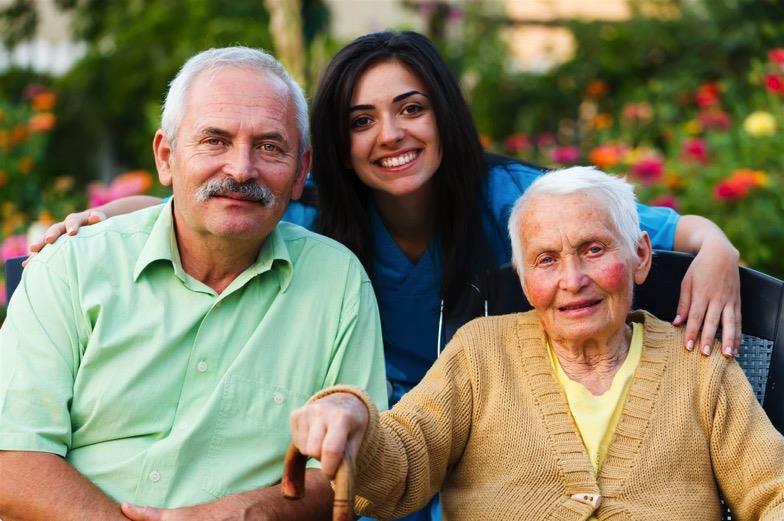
(589,499)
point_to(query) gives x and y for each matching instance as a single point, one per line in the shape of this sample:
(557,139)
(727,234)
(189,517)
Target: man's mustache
(249,190)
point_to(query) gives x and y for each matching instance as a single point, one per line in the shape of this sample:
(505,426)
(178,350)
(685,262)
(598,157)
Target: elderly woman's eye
(595,249)
(545,259)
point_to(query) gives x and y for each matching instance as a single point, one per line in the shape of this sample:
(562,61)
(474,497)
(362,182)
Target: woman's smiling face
(395,148)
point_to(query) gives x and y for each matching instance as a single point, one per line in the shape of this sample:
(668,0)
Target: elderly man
(154,358)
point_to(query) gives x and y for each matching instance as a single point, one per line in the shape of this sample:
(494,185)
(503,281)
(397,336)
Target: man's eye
(269,147)
(213,141)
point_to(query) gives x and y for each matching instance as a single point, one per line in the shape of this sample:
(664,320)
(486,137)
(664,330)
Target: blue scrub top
(409,294)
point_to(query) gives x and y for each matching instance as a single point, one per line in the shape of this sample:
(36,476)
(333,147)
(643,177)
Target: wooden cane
(292,484)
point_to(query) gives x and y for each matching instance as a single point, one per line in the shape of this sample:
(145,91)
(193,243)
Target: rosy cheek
(615,276)
(540,291)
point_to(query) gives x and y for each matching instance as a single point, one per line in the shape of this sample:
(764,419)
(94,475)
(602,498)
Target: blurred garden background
(686,97)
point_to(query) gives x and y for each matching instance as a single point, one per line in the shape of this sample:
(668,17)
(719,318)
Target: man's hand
(328,427)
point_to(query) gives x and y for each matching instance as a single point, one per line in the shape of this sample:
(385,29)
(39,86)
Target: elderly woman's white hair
(240,57)
(615,194)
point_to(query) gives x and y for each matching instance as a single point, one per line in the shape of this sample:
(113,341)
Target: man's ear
(162,151)
(644,253)
(302,174)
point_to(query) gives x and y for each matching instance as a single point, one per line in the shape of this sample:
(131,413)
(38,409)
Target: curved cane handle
(292,484)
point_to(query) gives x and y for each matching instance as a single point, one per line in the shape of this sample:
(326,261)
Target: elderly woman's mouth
(577,306)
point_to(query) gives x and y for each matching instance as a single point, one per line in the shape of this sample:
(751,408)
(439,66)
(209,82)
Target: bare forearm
(695,232)
(127,204)
(269,505)
(40,485)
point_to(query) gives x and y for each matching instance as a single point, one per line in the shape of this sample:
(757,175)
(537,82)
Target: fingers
(141,513)
(709,327)
(684,303)
(324,428)
(70,225)
(730,332)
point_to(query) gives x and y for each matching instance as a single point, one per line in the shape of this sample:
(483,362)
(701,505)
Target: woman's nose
(573,277)
(391,131)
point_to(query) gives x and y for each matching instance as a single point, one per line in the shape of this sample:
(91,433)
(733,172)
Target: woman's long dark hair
(343,198)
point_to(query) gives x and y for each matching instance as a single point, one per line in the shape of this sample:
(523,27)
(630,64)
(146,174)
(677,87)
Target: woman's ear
(644,253)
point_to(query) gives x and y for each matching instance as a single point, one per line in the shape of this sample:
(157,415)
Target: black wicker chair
(13,274)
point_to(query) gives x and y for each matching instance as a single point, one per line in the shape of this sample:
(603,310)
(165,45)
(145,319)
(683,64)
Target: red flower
(695,149)
(666,200)
(517,143)
(774,83)
(740,183)
(707,95)
(776,56)
(545,139)
(565,155)
(714,118)
(648,169)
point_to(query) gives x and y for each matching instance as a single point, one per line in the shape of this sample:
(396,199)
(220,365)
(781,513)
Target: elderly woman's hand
(327,428)
(69,225)
(710,291)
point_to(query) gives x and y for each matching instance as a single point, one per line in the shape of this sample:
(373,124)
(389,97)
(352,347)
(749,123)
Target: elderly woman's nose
(573,276)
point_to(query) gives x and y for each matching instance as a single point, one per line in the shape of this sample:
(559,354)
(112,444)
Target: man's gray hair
(615,194)
(239,57)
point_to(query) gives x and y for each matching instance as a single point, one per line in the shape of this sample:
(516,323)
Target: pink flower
(545,139)
(565,155)
(13,246)
(776,56)
(666,200)
(648,169)
(696,150)
(774,83)
(517,143)
(641,111)
(129,183)
(715,118)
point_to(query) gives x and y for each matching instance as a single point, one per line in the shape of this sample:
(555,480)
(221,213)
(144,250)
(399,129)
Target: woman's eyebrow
(397,98)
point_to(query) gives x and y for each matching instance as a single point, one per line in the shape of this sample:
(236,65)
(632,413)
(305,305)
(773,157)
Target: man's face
(234,167)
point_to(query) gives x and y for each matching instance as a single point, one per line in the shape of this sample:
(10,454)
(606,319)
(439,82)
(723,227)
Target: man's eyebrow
(399,97)
(214,131)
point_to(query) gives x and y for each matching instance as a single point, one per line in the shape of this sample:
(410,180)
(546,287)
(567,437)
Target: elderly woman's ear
(644,253)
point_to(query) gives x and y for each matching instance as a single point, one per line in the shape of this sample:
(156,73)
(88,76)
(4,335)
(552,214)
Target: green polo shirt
(161,391)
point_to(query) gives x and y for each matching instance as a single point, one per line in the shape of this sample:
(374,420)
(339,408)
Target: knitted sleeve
(746,450)
(403,462)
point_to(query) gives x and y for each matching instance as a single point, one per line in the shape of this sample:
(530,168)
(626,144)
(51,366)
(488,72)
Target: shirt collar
(162,245)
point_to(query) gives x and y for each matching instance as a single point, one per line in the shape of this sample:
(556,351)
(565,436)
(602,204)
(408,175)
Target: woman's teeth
(392,162)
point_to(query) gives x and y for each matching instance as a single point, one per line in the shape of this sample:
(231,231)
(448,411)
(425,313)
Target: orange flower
(45,217)
(3,178)
(673,181)
(597,88)
(5,140)
(740,183)
(63,183)
(44,101)
(25,165)
(19,133)
(486,141)
(605,156)
(602,121)
(41,122)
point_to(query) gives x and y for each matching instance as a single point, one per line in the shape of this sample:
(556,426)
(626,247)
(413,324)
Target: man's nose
(391,131)
(241,164)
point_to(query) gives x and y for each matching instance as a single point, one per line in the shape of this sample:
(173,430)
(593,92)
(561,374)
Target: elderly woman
(577,410)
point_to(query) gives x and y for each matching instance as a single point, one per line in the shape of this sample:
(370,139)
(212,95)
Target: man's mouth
(400,160)
(579,305)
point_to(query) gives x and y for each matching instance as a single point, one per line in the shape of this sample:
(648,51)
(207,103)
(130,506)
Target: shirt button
(201,366)
(278,397)
(155,476)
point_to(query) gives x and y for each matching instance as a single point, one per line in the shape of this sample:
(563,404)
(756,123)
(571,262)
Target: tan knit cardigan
(490,428)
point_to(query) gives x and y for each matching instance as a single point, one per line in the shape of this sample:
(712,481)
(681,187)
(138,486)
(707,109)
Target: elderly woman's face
(578,275)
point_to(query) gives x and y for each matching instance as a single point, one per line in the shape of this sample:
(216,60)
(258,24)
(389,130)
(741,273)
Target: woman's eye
(545,260)
(595,249)
(412,109)
(360,122)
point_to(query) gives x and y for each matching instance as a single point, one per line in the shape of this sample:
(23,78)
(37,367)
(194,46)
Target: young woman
(403,182)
